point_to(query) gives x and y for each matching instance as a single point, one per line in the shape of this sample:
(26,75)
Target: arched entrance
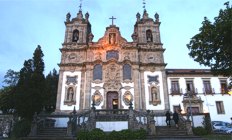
(112,100)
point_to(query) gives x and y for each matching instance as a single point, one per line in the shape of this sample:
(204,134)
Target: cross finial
(112,18)
(80,6)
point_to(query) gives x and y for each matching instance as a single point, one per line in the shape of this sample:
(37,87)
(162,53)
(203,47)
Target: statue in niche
(70,94)
(75,36)
(112,38)
(149,36)
(154,94)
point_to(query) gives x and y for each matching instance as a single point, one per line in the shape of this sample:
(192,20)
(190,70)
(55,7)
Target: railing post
(151,123)
(131,117)
(69,126)
(33,131)
(92,118)
(188,127)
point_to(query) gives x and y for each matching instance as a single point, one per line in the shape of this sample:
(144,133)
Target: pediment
(112,38)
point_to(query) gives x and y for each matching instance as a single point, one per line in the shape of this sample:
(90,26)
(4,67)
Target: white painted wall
(110,126)
(146,84)
(65,74)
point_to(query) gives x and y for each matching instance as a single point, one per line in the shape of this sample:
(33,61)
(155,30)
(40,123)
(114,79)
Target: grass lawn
(218,137)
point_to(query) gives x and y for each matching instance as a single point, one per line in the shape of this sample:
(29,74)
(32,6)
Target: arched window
(149,36)
(75,37)
(127,72)
(97,72)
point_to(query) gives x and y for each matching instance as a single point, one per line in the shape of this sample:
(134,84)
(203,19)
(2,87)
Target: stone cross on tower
(112,18)
(80,5)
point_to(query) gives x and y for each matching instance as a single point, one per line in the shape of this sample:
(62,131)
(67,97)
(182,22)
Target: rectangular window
(175,87)
(207,87)
(220,107)
(190,87)
(224,88)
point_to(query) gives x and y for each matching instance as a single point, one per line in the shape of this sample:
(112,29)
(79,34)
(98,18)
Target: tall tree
(212,46)
(31,86)
(51,90)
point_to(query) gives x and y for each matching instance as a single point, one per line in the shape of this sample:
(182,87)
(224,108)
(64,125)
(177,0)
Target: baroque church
(113,73)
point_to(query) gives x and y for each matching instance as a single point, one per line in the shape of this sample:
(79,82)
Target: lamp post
(190,107)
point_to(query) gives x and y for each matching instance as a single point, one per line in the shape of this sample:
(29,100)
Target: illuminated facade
(112,73)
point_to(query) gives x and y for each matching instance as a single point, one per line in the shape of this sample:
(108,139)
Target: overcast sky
(28,23)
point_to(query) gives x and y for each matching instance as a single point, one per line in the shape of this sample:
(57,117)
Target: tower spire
(144,4)
(80,6)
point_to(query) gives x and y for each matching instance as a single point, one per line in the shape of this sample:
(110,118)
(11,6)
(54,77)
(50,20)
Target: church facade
(112,73)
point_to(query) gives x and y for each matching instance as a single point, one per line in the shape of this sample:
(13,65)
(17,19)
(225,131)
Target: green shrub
(95,134)
(98,134)
(21,128)
(140,134)
(82,135)
(200,131)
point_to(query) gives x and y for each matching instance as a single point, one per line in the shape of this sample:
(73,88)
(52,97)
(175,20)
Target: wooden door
(112,100)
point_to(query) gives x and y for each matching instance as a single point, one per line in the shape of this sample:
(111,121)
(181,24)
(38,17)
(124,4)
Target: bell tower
(146,30)
(78,30)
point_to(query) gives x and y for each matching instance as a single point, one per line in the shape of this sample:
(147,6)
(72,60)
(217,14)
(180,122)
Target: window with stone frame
(224,87)
(175,88)
(190,87)
(97,72)
(220,107)
(207,87)
(127,72)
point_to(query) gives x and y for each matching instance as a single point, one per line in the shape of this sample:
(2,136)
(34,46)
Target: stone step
(170,131)
(52,132)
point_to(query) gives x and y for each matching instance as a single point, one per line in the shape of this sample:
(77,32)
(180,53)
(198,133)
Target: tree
(31,86)
(212,46)
(51,90)
(11,78)
(7,99)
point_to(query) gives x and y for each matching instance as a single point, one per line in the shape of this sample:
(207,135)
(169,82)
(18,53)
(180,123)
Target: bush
(98,134)
(200,131)
(95,134)
(21,128)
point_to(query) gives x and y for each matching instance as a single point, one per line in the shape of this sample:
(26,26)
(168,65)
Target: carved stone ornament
(127,98)
(97,98)
(153,79)
(113,72)
(72,79)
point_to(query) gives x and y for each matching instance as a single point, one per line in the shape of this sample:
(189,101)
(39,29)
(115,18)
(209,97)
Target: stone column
(137,88)
(87,92)
(131,118)
(165,89)
(59,91)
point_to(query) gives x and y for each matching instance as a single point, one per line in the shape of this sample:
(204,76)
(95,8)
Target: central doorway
(112,100)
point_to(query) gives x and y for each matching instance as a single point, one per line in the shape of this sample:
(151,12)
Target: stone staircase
(51,134)
(172,133)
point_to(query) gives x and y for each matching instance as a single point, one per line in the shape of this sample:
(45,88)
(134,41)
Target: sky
(24,24)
